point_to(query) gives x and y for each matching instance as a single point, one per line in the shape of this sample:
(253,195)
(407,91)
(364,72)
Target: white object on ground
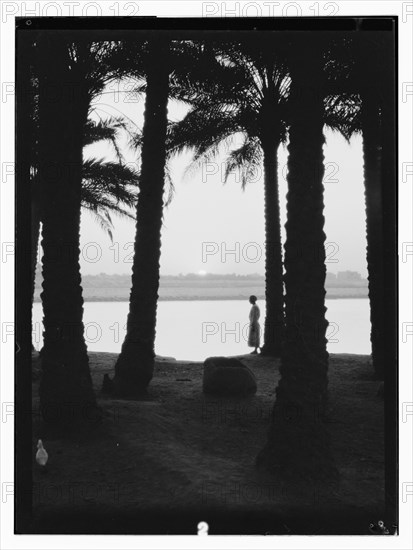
(41,455)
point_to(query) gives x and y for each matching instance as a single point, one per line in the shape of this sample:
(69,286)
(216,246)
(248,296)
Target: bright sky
(219,228)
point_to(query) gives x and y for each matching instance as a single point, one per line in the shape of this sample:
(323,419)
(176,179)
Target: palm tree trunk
(374,225)
(134,367)
(66,394)
(274,287)
(298,446)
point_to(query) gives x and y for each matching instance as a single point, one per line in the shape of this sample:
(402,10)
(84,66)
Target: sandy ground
(177,457)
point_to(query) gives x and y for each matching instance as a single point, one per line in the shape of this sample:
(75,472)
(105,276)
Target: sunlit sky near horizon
(215,228)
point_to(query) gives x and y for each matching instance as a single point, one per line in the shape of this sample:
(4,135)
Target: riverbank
(178,457)
(199,292)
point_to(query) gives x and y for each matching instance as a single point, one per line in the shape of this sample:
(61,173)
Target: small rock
(228,376)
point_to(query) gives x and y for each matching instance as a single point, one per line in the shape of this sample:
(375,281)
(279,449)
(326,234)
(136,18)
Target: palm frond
(234,87)
(201,130)
(203,157)
(92,200)
(106,130)
(110,186)
(246,160)
(170,188)
(342,114)
(100,217)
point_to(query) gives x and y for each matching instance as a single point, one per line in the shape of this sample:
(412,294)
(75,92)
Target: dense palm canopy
(243,92)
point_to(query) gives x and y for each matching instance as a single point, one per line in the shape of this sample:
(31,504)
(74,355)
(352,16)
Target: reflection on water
(195,330)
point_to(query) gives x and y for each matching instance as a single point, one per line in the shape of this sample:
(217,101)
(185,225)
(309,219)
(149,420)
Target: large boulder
(227,376)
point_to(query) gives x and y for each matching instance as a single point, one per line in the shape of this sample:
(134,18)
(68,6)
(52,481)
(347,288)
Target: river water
(194,330)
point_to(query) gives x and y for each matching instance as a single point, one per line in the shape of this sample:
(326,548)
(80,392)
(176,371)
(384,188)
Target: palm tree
(372,128)
(362,75)
(66,382)
(389,212)
(242,91)
(375,79)
(297,446)
(70,74)
(134,367)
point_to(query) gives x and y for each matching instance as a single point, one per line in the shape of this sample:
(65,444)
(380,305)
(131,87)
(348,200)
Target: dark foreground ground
(167,462)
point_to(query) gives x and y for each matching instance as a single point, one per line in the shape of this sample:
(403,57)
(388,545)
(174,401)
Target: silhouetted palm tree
(70,74)
(241,91)
(362,75)
(134,367)
(373,73)
(298,446)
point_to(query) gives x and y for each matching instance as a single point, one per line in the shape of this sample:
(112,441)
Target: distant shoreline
(193,288)
(202,298)
(203,290)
